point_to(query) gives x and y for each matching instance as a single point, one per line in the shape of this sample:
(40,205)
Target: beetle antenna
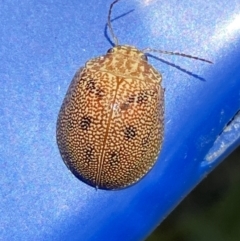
(146,50)
(115,40)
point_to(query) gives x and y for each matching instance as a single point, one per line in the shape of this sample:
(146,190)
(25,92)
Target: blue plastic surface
(43,43)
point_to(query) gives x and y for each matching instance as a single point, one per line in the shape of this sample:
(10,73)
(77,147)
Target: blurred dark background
(211,211)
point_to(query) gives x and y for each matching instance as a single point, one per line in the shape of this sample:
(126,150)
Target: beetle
(111,123)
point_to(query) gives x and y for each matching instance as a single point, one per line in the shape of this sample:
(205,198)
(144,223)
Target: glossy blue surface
(43,43)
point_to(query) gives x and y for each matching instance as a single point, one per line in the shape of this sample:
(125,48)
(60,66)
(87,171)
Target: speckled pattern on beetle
(110,126)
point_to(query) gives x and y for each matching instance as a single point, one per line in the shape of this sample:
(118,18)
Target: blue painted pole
(43,43)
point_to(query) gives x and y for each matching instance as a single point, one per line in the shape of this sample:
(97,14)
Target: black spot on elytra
(85,122)
(93,89)
(89,152)
(99,93)
(142,97)
(130,132)
(91,85)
